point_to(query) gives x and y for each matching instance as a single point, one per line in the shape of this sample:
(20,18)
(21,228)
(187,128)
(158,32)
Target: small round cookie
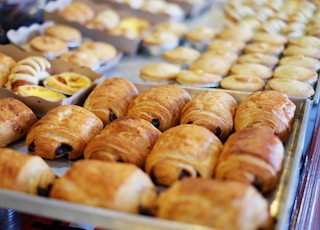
(226,45)
(301,60)
(240,82)
(68,34)
(291,87)
(182,55)
(178,28)
(229,56)
(157,42)
(6,64)
(238,32)
(259,58)
(49,46)
(77,12)
(102,50)
(299,73)
(292,50)
(275,39)
(159,72)
(263,47)
(200,37)
(198,78)
(252,69)
(81,59)
(213,65)
(104,20)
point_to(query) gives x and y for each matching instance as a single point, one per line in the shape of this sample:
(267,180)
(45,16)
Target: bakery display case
(242,50)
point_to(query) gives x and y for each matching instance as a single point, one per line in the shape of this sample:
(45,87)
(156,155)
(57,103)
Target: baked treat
(161,105)
(63,130)
(159,72)
(182,151)
(272,38)
(110,99)
(242,82)
(49,46)
(252,69)
(181,55)
(40,91)
(267,60)
(198,78)
(104,20)
(200,37)
(135,4)
(273,25)
(89,182)
(263,47)
(177,28)
(77,12)
(252,156)
(213,110)
(67,82)
(237,32)
(70,35)
(211,64)
(226,45)
(29,71)
(301,60)
(214,203)
(25,173)
(81,58)
(172,10)
(102,50)
(308,51)
(6,64)
(268,108)
(16,118)
(305,41)
(229,56)
(291,87)
(157,42)
(299,73)
(127,139)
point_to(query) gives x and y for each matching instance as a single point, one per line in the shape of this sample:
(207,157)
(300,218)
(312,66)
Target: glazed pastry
(301,60)
(201,34)
(229,56)
(275,39)
(296,72)
(159,72)
(63,130)
(268,108)
(213,110)
(49,46)
(161,105)
(186,150)
(104,20)
(308,51)
(264,47)
(81,58)
(211,64)
(110,99)
(198,78)
(117,186)
(127,139)
(16,118)
(67,82)
(177,28)
(102,50)
(240,33)
(70,35)
(227,45)
(253,156)
(40,91)
(214,203)
(252,69)
(29,71)
(242,82)
(77,12)
(25,173)
(6,64)
(182,55)
(267,60)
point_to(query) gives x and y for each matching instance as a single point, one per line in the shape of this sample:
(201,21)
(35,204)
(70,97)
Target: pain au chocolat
(63,130)
(185,150)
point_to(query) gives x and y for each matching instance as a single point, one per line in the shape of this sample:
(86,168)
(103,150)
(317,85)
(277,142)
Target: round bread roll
(102,50)
(81,58)
(211,64)
(104,20)
(68,34)
(159,72)
(252,69)
(264,47)
(49,46)
(299,73)
(267,60)
(77,12)
(242,82)
(227,45)
(275,39)
(301,60)
(181,55)
(198,78)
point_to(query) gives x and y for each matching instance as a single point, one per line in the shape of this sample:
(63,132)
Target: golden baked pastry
(117,186)
(102,50)
(202,34)
(177,28)
(49,46)
(157,42)
(253,156)
(308,51)
(264,47)
(299,73)
(161,105)
(229,56)
(29,71)
(305,41)
(198,78)
(6,64)
(127,139)
(16,118)
(81,58)
(237,32)
(214,203)
(301,60)
(40,91)
(227,45)
(110,99)
(211,64)
(186,150)
(104,20)
(181,55)
(25,173)
(67,82)
(63,130)
(213,110)
(159,72)
(77,12)
(252,69)
(291,87)
(242,82)
(275,39)
(268,108)
(70,35)
(267,60)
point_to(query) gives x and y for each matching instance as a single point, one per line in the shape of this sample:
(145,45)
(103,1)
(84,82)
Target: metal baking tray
(281,199)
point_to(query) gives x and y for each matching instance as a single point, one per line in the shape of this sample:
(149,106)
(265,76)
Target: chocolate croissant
(214,110)
(267,108)
(127,139)
(64,130)
(15,120)
(110,99)
(24,173)
(161,105)
(117,186)
(253,156)
(185,150)
(214,203)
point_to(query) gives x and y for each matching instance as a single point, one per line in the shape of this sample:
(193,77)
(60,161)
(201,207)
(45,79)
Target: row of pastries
(124,145)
